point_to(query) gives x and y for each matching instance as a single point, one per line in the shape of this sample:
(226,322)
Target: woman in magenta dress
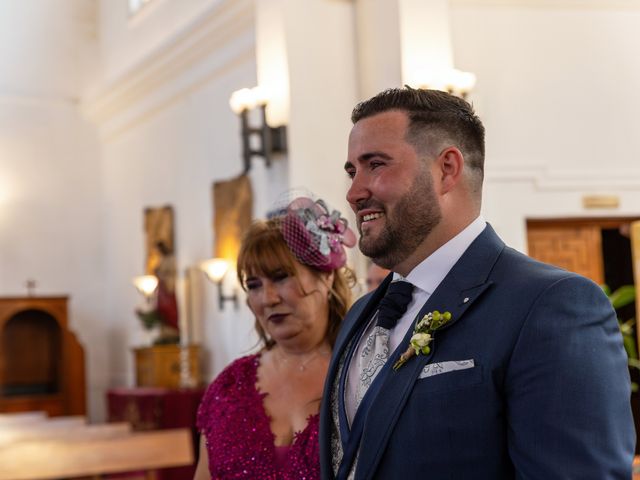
(259,417)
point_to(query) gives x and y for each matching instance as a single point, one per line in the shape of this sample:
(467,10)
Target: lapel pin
(466,299)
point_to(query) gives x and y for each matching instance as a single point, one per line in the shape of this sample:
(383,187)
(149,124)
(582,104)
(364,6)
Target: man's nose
(358,191)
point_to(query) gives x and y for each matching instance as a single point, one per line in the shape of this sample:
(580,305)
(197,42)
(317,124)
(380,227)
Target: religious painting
(158,229)
(233,212)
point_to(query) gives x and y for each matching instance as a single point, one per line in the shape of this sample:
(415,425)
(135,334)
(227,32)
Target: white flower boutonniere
(423,336)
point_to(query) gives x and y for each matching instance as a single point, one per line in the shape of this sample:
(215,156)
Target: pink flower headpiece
(316,236)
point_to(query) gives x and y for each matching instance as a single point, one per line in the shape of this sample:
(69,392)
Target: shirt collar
(428,274)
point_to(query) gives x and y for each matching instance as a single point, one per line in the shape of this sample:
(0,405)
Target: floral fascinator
(315,234)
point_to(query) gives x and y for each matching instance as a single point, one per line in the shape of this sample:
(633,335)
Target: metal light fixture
(269,140)
(215,269)
(146,285)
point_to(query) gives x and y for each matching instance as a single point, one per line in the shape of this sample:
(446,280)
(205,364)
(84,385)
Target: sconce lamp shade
(241,100)
(248,98)
(215,269)
(146,284)
(454,81)
(465,81)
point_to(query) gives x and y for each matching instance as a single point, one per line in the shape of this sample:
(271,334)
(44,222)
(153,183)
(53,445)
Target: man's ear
(450,164)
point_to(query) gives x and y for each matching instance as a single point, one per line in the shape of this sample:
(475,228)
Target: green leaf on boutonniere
(423,336)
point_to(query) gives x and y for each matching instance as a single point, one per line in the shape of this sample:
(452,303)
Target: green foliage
(149,319)
(152,320)
(620,298)
(623,296)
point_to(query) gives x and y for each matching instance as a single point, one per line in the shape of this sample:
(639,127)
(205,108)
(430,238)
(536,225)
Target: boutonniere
(423,336)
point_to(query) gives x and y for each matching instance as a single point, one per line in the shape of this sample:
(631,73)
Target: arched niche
(41,362)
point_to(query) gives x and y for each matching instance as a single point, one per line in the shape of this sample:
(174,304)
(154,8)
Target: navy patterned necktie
(376,350)
(394,304)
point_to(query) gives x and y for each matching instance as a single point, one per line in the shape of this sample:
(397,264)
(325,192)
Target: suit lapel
(356,317)
(465,283)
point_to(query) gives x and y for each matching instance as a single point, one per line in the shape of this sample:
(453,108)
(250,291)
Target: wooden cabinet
(41,362)
(168,366)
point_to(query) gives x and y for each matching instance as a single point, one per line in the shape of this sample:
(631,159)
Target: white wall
(556,90)
(51,213)
(128,40)
(558,93)
(167,143)
(46,47)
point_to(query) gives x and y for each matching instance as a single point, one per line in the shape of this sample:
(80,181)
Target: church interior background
(117,136)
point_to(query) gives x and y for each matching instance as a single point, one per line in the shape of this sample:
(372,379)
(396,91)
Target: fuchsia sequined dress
(240,444)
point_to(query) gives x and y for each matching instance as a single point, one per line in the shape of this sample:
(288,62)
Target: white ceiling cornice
(547,179)
(553,4)
(217,27)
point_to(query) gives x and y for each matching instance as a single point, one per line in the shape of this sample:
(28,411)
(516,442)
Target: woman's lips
(277,317)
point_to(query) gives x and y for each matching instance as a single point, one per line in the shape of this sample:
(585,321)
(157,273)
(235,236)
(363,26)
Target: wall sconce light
(146,285)
(270,140)
(215,269)
(453,81)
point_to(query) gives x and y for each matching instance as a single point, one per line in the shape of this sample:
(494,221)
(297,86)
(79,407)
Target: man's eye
(350,173)
(252,284)
(374,165)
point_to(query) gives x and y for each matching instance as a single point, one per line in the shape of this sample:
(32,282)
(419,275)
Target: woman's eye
(252,284)
(279,276)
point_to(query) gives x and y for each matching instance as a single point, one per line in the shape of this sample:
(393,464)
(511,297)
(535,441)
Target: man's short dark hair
(434,117)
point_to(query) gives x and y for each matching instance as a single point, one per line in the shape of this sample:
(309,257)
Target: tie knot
(394,304)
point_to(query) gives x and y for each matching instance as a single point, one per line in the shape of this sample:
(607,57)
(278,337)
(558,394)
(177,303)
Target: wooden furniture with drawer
(168,366)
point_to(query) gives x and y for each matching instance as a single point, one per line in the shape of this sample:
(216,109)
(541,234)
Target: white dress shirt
(425,277)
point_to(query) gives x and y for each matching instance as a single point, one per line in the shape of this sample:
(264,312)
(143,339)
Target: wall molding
(548,179)
(220,25)
(38,100)
(553,4)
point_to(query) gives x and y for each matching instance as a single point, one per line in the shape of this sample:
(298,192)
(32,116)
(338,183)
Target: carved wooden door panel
(577,248)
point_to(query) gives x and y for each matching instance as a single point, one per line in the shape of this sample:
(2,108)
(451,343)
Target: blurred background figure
(167,304)
(375,276)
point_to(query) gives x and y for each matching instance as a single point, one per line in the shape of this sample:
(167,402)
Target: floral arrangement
(423,336)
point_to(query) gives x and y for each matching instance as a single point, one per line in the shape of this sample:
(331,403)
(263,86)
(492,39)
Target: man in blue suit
(523,377)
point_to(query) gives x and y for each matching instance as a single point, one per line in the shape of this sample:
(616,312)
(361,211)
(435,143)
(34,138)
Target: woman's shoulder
(242,364)
(236,382)
(237,372)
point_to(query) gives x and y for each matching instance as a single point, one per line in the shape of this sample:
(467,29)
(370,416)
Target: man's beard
(411,221)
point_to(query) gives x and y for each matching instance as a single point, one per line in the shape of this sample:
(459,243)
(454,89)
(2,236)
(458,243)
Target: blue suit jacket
(548,397)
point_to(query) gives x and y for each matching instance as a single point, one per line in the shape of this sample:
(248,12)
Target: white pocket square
(444,367)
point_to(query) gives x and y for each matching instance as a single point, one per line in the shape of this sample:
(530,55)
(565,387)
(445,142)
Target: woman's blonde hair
(265,252)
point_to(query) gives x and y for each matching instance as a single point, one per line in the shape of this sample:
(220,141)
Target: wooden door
(577,245)
(574,247)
